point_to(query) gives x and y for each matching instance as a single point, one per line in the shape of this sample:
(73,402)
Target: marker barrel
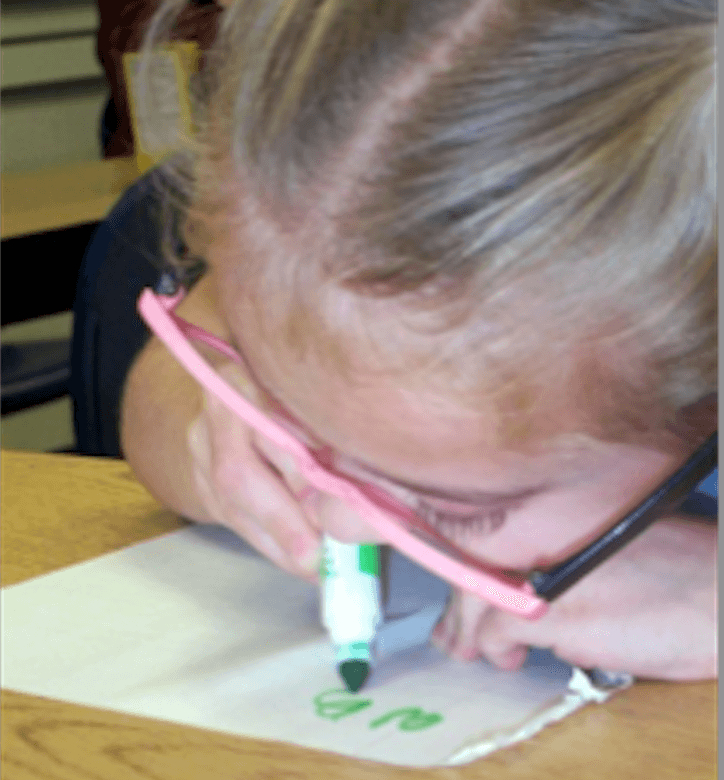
(351,608)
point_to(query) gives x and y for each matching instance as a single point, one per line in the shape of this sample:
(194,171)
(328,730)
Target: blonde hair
(530,186)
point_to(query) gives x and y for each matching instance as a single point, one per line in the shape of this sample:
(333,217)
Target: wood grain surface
(61,509)
(36,201)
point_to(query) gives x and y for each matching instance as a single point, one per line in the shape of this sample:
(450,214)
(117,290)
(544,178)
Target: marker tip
(354,673)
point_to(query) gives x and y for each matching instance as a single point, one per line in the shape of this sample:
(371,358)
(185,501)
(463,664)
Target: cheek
(554,526)
(542,532)
(548,530)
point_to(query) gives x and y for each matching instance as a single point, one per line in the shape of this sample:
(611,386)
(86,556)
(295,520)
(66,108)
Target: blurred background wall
(52,97)
(53,87)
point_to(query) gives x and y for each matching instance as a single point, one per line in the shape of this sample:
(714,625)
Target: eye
(456,524)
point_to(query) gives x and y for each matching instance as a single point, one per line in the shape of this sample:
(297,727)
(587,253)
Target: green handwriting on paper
(336,703)
(411,719)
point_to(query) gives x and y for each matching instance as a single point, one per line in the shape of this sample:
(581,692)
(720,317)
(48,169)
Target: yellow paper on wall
(158,87)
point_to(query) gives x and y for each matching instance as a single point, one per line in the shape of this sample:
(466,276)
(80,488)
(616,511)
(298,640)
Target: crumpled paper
(584,686)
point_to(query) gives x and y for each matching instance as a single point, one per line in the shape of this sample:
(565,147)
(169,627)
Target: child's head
(503,211)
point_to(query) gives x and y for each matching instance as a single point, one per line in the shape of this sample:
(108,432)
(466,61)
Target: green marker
(351,609)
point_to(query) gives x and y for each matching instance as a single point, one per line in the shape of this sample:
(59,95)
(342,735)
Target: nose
(342,522)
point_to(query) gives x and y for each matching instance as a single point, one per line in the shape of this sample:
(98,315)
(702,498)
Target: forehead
(398,423)
(369,369)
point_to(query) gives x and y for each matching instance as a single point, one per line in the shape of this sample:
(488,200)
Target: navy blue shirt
(704,499)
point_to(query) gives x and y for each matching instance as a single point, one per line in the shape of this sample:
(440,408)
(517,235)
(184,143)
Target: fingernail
(307,553)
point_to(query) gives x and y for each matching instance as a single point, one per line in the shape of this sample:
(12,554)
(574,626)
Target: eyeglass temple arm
(667,497)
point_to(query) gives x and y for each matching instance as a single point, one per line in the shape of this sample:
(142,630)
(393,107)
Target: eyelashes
(456,526)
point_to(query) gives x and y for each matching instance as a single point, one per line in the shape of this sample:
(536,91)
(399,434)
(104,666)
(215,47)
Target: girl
(469,247)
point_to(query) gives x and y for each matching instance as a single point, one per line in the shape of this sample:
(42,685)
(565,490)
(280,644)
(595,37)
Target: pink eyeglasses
(395,522)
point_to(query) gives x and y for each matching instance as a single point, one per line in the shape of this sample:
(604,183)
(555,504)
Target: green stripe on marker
(369,559)
(358,651)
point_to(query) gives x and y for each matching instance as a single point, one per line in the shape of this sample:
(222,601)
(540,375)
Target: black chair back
(123,257)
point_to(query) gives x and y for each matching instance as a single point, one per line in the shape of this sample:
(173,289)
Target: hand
(247,484)
(649,610)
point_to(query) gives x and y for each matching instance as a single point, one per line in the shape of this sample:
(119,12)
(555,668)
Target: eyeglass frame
(527,598)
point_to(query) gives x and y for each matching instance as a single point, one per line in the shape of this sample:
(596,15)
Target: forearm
(677,562)
(698,540)
(159,403)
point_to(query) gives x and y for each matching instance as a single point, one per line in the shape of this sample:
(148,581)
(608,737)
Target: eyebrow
(473,497)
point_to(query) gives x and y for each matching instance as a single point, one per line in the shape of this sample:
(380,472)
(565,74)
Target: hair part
(523,192)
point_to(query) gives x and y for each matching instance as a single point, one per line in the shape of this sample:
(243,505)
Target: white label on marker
(350,598)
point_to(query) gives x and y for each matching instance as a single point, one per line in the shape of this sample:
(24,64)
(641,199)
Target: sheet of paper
(195,628)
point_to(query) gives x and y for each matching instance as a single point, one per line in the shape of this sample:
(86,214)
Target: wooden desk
(62,509)
(38,201)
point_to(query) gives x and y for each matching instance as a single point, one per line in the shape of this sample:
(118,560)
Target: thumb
(458,631)
(277,458)
(280,460)
(500,640)
(343,523)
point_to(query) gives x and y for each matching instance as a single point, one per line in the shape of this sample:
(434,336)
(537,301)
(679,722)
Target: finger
(245,526)
(281,461)
(268,500)
(508,659)
(498,641)
(444,632)
(251,486)
(456,632)
(344,523)
(229,513)
(469,614)
(267,545)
